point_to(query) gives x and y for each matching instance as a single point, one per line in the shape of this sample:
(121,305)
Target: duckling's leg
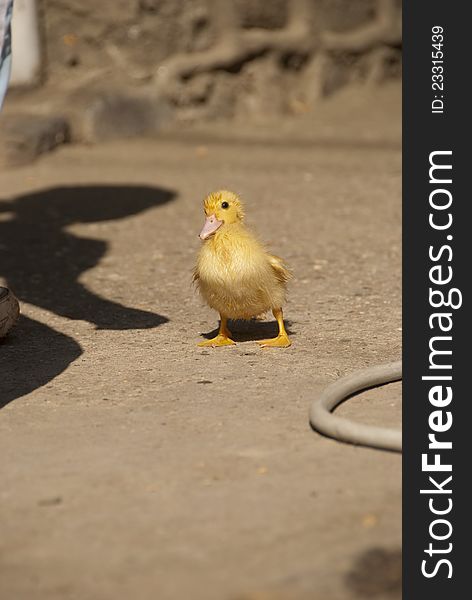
(223,338)
(282,340)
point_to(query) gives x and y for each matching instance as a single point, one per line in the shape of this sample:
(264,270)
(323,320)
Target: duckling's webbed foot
(219,340)
(223,337)
(282,340)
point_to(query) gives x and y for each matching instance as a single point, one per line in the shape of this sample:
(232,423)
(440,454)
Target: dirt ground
(135,464)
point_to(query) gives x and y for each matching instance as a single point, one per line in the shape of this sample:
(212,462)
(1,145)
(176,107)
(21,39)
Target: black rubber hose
(324,421)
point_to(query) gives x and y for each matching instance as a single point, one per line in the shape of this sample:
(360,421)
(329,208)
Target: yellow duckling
(235,274)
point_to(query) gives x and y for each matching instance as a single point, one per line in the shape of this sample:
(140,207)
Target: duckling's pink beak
(210,226)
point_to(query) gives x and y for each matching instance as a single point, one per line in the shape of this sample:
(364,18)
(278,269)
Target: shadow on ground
(42,263)
(252,330)
(31,356)
(377,572)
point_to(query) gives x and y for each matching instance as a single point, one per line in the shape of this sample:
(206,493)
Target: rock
(24,137)
(105,116)
(261,14)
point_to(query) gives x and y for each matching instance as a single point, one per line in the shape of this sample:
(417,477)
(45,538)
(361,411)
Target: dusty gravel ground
(136,465)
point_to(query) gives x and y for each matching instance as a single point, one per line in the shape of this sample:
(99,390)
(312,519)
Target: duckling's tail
(281,270)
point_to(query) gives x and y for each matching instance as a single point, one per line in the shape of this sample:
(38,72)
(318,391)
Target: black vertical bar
(424,132)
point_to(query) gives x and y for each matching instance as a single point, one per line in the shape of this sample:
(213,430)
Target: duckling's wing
(281,271)
(195,275)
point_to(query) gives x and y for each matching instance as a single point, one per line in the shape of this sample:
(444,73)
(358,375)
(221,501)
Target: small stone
(201,151)
(54,501)
(369,521)
(25,137)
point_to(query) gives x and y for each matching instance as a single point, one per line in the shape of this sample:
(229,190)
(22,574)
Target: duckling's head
(221,208)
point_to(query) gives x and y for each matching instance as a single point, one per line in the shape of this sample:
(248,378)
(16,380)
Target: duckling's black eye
(224,205)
